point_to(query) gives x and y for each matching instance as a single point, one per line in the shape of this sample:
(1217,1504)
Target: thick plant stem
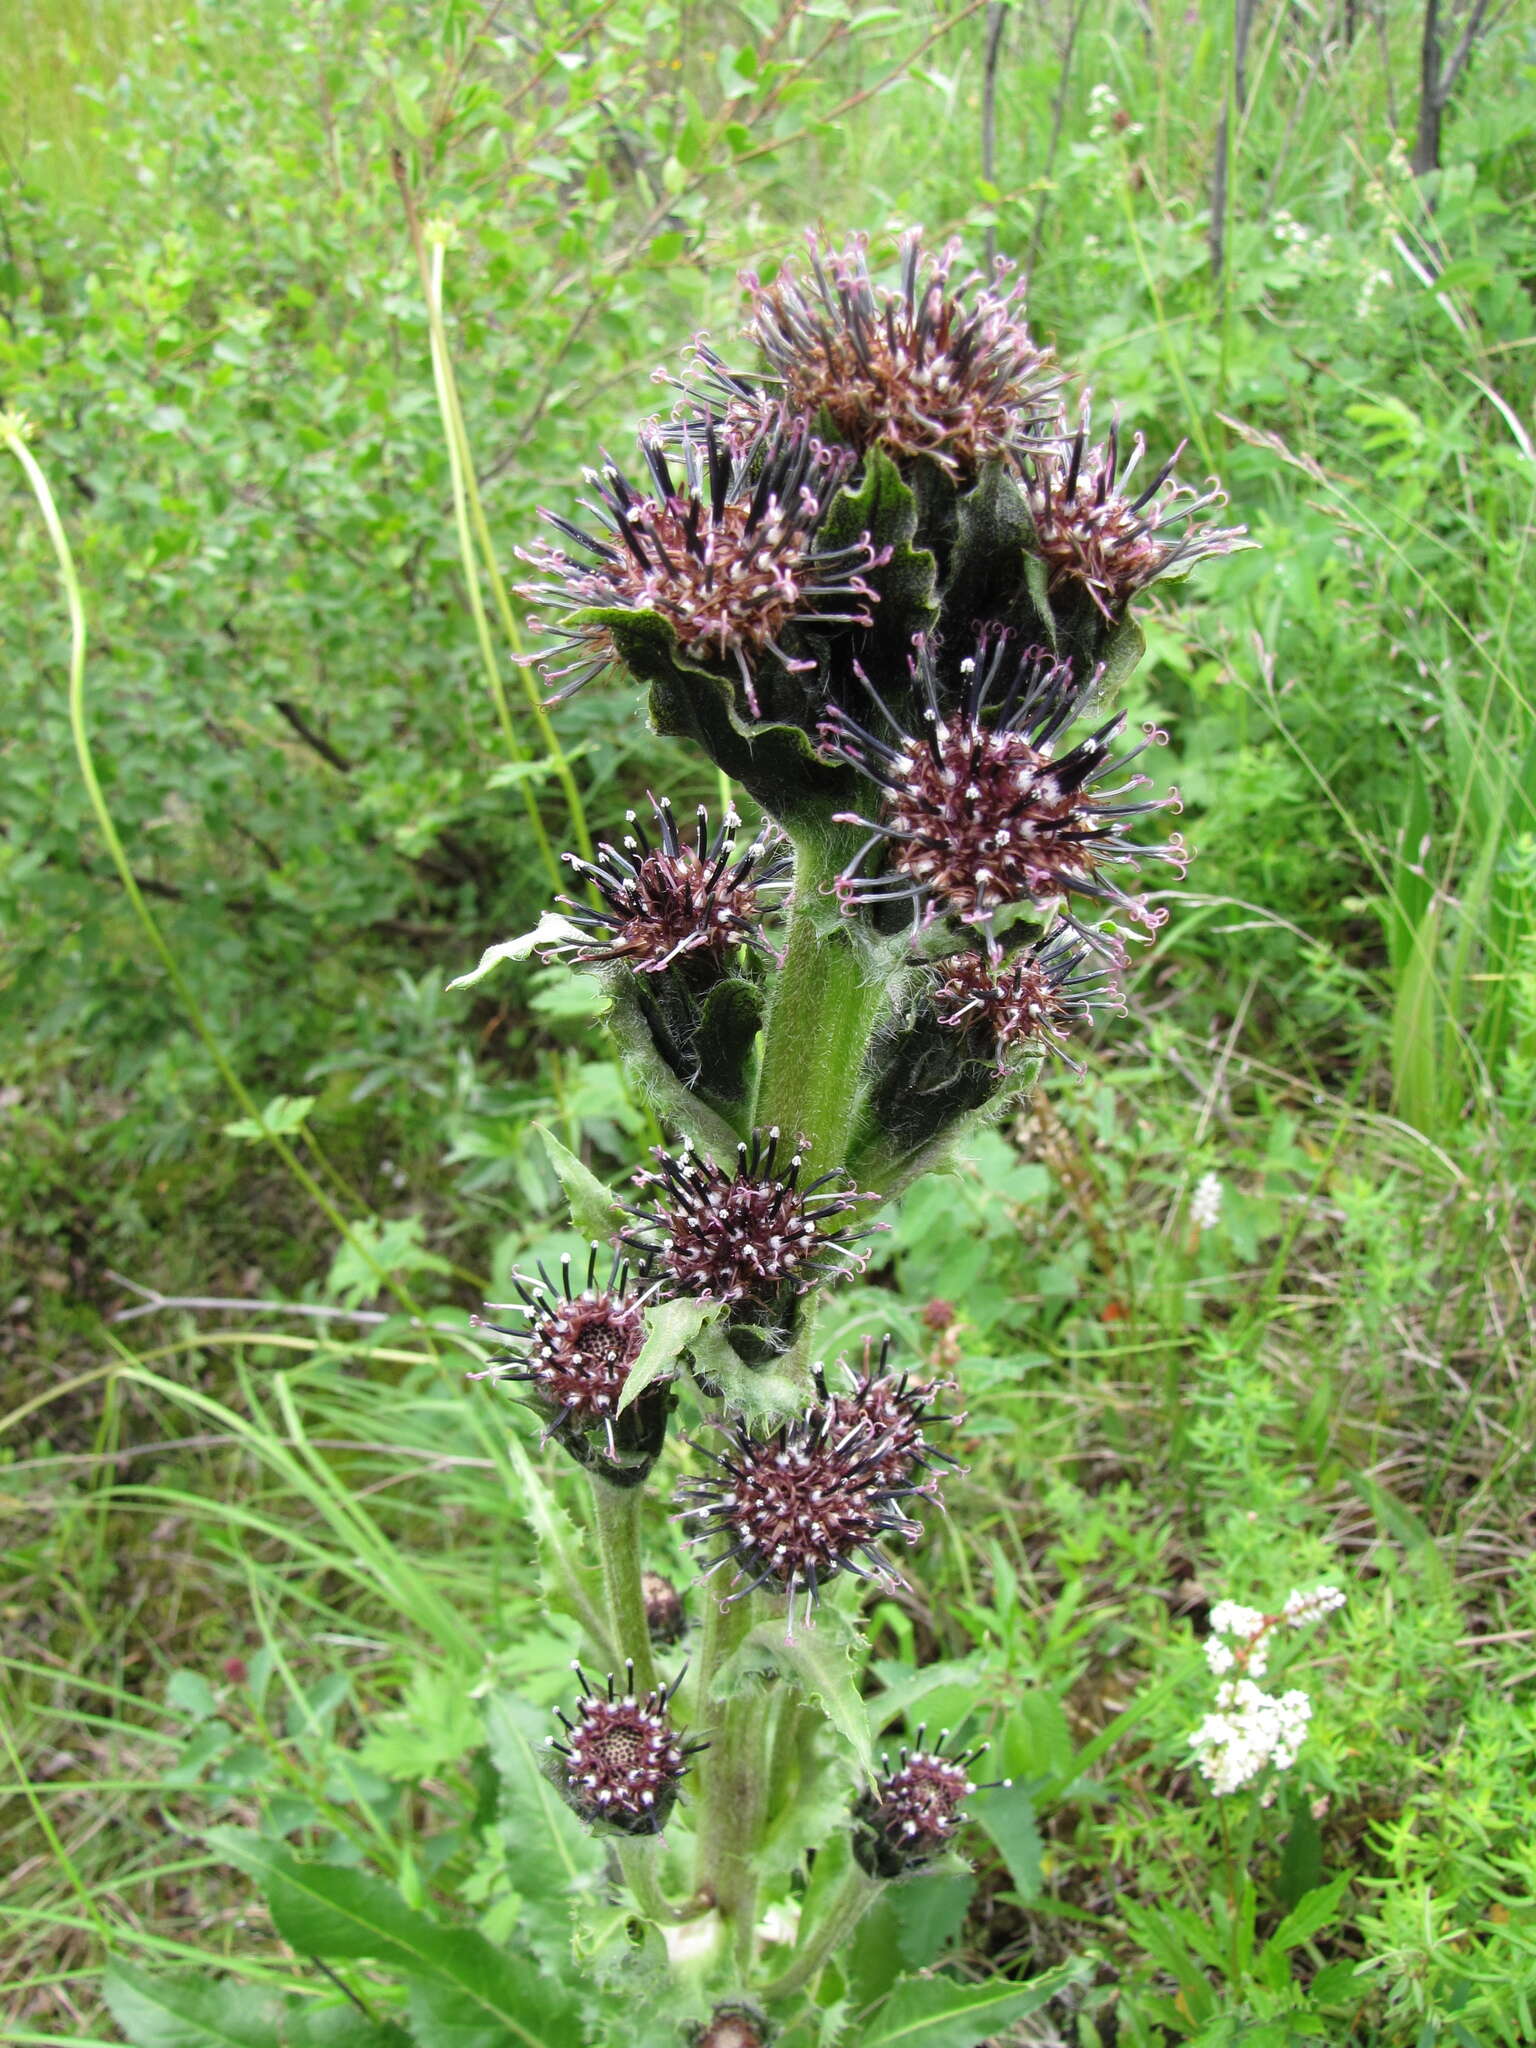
(731,1788)
(819,1023)
(616,1511)
(846,1908)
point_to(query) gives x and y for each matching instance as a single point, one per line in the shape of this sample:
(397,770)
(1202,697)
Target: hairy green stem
(819,1021)
(731,1786)
(638,1860)
(845,1909)
(616,1514)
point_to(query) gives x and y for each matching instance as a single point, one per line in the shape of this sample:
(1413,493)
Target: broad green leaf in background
(941,2012)
(1007,1815)
(183,2012)
(482,1996)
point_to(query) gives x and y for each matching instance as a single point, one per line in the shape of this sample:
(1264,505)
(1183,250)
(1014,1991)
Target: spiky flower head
(895,1407)
(742,1236)
(984,808)
(574,1354)
(797,1508)
(724,548)
(1101,527)
(622,1762)
(1019,1004)
(679,897)
(913,1812)
(933,367)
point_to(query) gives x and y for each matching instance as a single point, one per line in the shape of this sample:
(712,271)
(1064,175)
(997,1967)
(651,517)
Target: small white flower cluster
(1249,1626)
(1249,1730)
(1376,281)
(1103,107)
(1205,1202)
(1252,1729)
(1311,1605)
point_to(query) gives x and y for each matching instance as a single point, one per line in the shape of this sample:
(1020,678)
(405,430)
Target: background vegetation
(229,1586)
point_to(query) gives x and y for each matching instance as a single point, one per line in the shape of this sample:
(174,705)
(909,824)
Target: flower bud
(621,1764)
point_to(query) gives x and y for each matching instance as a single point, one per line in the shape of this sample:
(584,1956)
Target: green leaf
(553,1862)
(565,1580)
(1301,1864)
(189,1693)
(283,1115)
(730,1018)
(991,547)
(551,929)
(1309,1917)
(373,1249)
(635,1036)
(1007,1816)
(1120,654)
(929,1910)
(479,1995)
(437,1725)
(883,507)
(175,2012)
(774,758)
(670,1327)
(594,1212)
(941,2012)
(308,2025)
(819,1659)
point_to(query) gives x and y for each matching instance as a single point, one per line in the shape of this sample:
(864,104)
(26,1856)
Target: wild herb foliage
(1318,1375)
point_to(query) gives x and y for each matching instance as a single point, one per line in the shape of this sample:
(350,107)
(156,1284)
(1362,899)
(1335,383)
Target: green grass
(212,315)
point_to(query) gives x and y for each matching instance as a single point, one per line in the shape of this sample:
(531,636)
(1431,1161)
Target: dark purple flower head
(577,1348)
(931,368)
(679,897)
(724,548)
(740,1237)
(1020,1004)
(622,1762)
(895,1408)
(1097,528)
(985,807)
(792,1510)
(913,1813)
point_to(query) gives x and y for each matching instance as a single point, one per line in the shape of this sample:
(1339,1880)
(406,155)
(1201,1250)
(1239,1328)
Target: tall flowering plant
(877,573)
